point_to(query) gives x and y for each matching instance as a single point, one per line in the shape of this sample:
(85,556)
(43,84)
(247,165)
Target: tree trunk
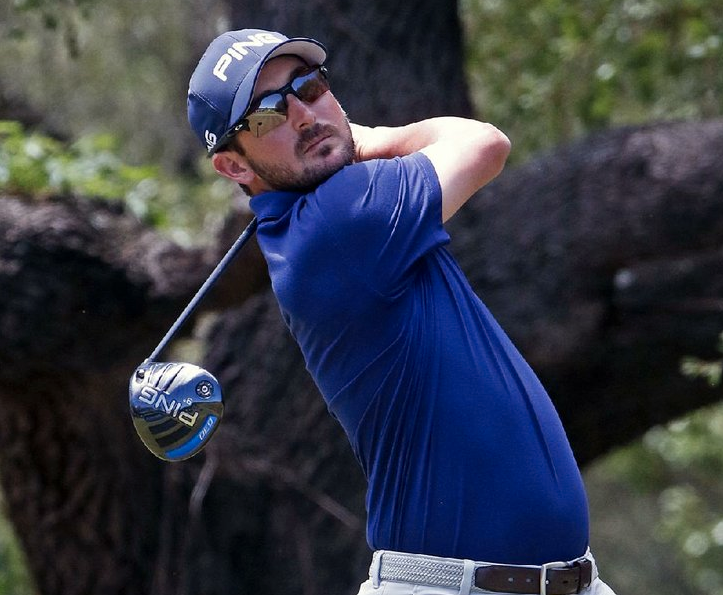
(391,62)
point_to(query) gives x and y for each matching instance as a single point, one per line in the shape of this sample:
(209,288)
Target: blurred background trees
(551,70)
(99,88)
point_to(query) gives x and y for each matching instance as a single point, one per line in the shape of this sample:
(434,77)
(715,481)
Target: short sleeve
(386,215)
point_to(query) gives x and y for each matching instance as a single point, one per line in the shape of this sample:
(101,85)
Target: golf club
(176,407)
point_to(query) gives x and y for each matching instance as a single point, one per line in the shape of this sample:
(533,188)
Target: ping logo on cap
(238,50)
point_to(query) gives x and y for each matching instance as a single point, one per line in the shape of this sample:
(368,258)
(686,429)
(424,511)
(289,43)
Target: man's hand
(371,143)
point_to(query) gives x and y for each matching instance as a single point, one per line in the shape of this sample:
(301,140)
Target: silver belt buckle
(543,574)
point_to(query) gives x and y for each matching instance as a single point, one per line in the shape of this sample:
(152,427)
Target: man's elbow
(494,149)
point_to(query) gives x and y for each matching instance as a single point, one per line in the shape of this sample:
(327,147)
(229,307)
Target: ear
(233,166)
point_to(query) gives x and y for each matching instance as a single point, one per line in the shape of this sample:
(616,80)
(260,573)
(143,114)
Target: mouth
(314,143)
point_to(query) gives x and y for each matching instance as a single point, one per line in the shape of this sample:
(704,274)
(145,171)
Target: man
(472,483)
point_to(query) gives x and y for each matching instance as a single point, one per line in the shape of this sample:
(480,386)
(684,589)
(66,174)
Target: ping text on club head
(160,399)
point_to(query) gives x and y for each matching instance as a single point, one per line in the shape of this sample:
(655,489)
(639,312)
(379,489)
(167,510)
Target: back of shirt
(464,452)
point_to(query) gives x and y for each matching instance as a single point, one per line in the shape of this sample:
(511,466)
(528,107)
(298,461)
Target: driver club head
(176,408)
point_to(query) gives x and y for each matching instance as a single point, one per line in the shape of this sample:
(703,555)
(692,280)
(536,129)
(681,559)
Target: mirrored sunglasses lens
(274,102)
(269,114)
(263,121)
(310,87)
(271,110)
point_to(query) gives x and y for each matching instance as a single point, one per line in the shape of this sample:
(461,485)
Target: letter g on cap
(210,139)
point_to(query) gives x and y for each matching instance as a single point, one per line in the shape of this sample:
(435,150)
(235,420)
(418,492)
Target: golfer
(472,485)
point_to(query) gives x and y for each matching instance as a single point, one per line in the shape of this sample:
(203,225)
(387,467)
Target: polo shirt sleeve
(386,215)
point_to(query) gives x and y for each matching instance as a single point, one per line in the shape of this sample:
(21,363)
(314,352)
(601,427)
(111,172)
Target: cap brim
(309,50)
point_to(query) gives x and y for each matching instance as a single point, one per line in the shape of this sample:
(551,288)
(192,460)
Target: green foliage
(36,165)
(92,66)
(694,367)
(681,465)
(14,577)
(61,16)
(548,71)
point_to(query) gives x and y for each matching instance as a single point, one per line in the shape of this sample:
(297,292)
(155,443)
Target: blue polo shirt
(463,450)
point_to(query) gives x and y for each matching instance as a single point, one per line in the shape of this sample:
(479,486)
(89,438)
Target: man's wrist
(381,142)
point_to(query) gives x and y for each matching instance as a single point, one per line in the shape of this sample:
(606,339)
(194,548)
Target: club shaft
(212,278)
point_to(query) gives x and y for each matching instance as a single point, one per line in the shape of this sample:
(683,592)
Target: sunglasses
(269,111)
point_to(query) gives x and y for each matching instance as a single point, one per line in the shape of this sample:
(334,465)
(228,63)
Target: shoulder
(380,171)
(362,190)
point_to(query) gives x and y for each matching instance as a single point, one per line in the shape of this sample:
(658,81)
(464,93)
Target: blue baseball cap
(221,87)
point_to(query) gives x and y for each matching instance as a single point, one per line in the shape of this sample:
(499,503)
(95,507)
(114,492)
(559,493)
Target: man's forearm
(385,142)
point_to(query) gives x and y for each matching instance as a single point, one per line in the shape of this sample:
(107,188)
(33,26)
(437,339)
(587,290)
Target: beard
(282,177)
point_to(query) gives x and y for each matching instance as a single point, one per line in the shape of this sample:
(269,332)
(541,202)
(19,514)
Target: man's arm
(466,154)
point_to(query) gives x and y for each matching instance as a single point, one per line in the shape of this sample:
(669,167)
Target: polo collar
(273,205)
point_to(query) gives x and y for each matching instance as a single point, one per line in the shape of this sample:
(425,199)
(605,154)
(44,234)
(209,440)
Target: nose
(298,112)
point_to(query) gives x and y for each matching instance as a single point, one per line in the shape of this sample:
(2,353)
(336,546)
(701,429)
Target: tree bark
(84,290)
